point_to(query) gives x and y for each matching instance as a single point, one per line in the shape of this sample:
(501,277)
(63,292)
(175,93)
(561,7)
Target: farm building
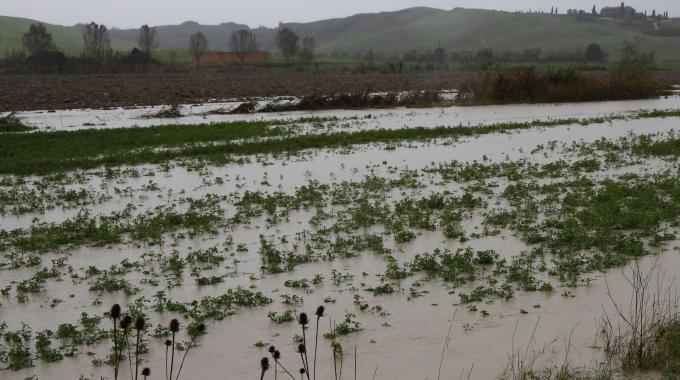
(621,12)
(218,59)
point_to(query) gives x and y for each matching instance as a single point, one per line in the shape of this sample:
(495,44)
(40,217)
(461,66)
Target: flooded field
(393,118)
(436,254)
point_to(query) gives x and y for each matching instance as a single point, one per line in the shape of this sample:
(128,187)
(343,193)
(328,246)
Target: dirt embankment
(24,93)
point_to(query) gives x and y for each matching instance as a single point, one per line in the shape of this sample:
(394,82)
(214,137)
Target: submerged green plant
(87,149)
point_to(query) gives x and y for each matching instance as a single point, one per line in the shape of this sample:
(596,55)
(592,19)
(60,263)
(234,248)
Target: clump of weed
(354,101)
(647,334)
(301,349)
(194,331)
(12,123)
(171,112)
(538,363)
(284,317)
(245,107)
(16,354)
(561,85)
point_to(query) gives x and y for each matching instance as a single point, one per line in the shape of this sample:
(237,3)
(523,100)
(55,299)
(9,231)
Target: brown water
(410,346)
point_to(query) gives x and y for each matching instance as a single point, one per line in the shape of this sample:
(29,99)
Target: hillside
(398,32)
(471,29)
(177,36)
(325,31)
(68,39)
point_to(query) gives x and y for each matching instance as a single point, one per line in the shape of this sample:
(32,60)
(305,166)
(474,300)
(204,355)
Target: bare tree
(198,44)
(146,40)
(308,47)
(97,42)
(242,42)
(38,39)
(288,42)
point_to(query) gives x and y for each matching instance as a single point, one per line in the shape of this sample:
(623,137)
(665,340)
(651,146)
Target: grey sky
(132,13)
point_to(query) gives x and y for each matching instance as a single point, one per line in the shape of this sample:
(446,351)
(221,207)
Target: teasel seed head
(320,310)
(168,343)
(276,355)
(174,326)
(272,349)
(302,349)
(200,328)
(264,363)
(139,323)
(126,322)
(303,319)
(146,371)
(115,312)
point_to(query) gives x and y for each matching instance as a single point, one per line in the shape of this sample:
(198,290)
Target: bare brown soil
(24,93)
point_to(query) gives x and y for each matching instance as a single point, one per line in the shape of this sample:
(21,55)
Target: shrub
(629,78)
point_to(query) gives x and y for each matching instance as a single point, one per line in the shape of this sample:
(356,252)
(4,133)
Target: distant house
(219,59)
(620,12)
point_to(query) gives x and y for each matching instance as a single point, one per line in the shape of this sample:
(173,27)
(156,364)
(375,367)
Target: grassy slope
(364,25)
(466,29)
(68,39)
(415,28)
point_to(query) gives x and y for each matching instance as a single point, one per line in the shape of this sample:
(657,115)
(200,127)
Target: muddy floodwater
(404,320)
(389,119)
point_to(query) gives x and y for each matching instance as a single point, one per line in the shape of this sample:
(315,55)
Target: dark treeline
(593,54)
(58,63)
(40,54)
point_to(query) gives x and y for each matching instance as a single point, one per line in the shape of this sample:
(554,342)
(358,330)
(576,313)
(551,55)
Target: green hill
(399,32)
(68,38)
(469,29)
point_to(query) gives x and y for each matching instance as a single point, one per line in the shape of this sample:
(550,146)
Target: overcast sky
(133,13)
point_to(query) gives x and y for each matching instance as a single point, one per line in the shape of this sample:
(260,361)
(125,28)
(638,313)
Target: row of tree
(97,48)
(96,41)
(594,13)
(243,41)
(290,45)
